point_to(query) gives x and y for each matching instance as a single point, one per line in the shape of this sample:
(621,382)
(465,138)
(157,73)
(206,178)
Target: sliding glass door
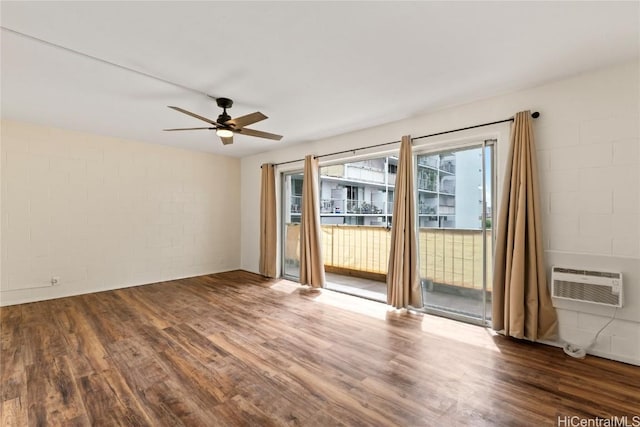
(291,210)
(454,204)
(356,208)
(356,205)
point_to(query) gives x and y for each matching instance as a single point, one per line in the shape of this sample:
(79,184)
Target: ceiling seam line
(104,61)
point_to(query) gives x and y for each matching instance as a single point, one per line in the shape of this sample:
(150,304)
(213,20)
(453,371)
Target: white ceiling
(317,69)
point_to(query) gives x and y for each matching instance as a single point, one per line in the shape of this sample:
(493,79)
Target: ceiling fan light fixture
(224,133)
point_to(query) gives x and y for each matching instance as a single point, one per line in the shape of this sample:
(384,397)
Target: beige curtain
(403,280)
(268,226)
(311,263)
(521,302)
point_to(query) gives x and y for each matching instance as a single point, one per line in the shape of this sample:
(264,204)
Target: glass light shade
(224,133)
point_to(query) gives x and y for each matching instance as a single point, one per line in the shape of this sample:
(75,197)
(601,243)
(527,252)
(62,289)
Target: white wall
(103,213)
(588,142)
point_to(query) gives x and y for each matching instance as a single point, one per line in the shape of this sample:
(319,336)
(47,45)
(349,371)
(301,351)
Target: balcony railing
(454,257)
(448,166)
(447,256)
(365,173)
(296,204)
(431,161)
(428,184)
(427,209)
(350,206)
(344,206)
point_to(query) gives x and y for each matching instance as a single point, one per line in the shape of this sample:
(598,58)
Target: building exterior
(449,191)
(358,193)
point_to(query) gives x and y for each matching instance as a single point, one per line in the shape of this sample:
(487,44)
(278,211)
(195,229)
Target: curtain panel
(522,305)
(403,279)
(311,262)
(268,224)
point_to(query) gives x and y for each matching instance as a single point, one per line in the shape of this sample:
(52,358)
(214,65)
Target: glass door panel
(292,203)
(454,200)
(356,211)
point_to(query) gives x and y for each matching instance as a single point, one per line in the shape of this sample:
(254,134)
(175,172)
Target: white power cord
(578,352)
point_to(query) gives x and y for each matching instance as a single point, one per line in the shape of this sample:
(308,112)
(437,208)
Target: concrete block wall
(589,161)
(591,181)
(102,213)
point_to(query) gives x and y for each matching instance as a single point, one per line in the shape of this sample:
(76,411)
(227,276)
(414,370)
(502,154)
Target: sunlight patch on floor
(285,286)
(459,331)
(353,304)
(449,329)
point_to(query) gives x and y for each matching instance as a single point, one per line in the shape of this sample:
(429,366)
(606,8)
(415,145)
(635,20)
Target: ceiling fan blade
(188,129)
(258,133)
(227,140)
(249,119)
(189,113)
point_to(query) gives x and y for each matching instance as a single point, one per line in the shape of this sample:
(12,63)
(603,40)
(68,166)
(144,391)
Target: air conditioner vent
(586,272)
(597,287)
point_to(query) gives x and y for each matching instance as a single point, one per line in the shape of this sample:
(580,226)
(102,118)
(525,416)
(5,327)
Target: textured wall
(103,213)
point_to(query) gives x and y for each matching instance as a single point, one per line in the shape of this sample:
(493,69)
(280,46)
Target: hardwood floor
(234,349)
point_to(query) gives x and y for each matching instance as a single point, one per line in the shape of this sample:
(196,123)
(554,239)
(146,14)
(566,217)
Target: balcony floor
(357,286)
(441,298)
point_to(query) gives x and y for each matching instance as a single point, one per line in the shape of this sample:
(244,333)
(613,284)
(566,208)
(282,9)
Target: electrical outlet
(55,280)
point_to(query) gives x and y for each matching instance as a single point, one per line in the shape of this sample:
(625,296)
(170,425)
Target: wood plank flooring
(234,349)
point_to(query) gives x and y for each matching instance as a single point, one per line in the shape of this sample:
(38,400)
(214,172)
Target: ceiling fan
(225,126)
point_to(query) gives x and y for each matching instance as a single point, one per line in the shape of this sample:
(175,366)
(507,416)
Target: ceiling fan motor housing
(224,117)
(224,103)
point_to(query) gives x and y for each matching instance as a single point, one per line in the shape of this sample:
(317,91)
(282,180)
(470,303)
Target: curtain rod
(535,115)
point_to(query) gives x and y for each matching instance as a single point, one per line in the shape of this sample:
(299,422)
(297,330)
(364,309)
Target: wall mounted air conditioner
(597,287)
